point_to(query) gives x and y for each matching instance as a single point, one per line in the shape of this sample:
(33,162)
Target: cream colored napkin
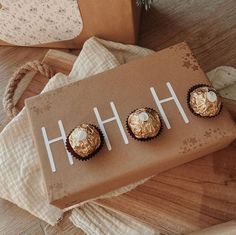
(21,181)
(20,176)
(223,79)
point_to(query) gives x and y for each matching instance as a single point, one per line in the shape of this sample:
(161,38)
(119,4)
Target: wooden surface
(187,198)
(180,196)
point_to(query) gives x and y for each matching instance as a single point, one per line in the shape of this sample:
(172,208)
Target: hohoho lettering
(159,103)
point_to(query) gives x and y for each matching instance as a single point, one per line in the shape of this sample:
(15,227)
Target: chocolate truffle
(204,101)
(84,141)
(144,124)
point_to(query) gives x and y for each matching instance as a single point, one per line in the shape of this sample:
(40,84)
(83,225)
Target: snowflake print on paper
(192,143)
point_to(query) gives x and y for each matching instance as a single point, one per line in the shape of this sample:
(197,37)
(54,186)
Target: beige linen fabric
(20,176)
(21,181)
(224,80)
(97,220)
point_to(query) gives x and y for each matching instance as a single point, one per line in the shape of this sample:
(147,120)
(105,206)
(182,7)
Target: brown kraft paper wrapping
(167,76)
(111,20)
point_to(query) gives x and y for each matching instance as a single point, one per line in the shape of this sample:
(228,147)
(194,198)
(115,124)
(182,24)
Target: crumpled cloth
(21,180)
(223,79)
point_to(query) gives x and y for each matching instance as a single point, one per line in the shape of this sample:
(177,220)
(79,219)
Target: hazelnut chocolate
(144,124)
(204,101)
(84,141)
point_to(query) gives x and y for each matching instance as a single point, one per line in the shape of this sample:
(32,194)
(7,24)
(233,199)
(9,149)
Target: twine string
(8,103)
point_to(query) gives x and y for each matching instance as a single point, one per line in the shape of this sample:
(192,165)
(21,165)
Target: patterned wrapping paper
(153,79)
(22,170)
(32,22)
(67,23)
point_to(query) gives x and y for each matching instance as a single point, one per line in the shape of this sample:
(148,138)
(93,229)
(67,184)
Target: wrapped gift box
(67,23)
(160,81)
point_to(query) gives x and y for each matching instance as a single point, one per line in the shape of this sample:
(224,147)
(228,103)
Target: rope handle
(8,104)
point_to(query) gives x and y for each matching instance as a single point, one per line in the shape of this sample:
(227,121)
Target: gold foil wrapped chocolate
(84,141)
(204,101)
(144,124)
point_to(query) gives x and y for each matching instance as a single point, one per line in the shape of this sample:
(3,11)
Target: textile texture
(21,180)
